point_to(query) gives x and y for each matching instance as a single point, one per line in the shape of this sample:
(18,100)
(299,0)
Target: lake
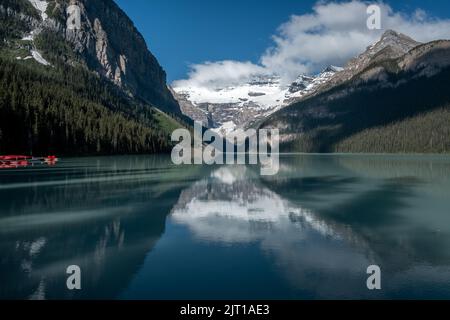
(140,227)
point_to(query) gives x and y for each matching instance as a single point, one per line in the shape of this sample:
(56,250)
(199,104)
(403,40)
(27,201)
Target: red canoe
(16,161)
(14,158)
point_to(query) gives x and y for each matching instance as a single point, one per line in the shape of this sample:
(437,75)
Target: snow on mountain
(264,91)
(38,57)
(234,107)
(305,85)
(29,37)
(238,204)
(240,106)
(226,128)
(40,5)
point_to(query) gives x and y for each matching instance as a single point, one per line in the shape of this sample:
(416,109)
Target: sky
(217,42)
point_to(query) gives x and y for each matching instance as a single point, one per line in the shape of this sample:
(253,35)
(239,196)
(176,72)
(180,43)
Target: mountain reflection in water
(140,227)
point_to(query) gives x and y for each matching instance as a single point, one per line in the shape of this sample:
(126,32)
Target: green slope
(68,110)
(424,133)
(404,113)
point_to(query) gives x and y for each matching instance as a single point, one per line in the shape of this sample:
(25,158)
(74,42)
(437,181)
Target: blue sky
(182,33)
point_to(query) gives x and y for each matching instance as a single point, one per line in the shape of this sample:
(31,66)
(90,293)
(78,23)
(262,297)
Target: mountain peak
(391,45)
(399,43)
(390,34)
(332,68)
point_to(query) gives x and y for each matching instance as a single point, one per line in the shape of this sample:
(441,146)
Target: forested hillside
(57,92)
(70,111)
(10,25)
(427,132)
(393,106)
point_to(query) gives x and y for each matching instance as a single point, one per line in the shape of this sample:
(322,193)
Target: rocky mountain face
(305,86)
(391,98)
(107,43)
(226,109)
(191,110)
(90,88)
(391,45)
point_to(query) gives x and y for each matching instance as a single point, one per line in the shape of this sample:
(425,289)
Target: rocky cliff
(107,42)
(84,88)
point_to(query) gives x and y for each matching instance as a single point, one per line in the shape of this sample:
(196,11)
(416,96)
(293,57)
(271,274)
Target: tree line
(70,111)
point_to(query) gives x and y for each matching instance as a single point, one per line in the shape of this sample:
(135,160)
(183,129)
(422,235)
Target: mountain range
(98,89)
(228,108)
(393,98)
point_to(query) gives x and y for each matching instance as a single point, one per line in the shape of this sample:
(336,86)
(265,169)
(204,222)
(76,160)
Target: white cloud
(211,74)
(331,34)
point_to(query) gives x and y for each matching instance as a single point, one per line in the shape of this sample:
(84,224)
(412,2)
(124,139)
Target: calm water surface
(142,228)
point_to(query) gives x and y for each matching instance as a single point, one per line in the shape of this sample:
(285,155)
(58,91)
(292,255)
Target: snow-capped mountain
(239,106)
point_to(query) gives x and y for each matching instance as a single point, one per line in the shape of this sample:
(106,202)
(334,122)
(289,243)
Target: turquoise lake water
(140,227)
